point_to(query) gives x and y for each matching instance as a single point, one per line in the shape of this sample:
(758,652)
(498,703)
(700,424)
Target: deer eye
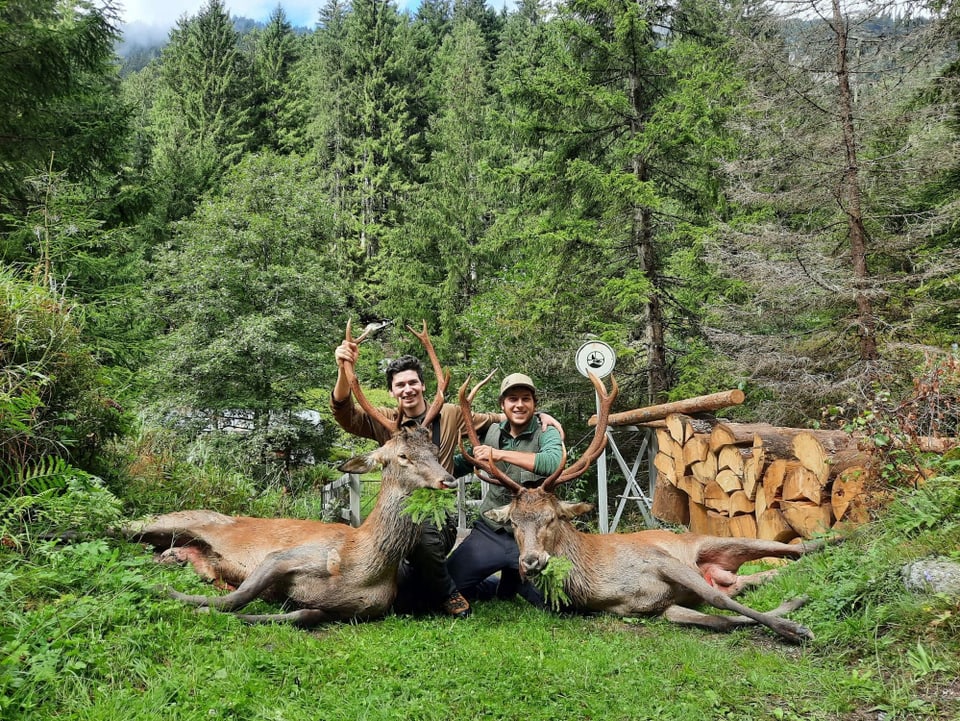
(402,456)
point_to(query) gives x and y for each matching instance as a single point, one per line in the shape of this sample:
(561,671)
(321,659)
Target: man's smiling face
(518,405)
(408,389)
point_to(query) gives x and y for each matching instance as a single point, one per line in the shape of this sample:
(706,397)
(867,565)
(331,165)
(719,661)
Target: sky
(165,13)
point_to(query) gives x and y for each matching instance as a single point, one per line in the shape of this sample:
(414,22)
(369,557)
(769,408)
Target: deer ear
(361,464)
(498,515)
(572,510)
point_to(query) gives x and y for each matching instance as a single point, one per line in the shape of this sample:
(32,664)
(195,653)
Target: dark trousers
(423,580)
(483,553)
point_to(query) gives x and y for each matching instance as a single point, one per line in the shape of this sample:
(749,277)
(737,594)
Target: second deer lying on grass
(643,573)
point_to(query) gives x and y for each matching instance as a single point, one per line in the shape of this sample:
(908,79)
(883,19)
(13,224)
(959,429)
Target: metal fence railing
(351,513)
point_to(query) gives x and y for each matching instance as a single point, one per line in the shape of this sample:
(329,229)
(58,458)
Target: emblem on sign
(596,357)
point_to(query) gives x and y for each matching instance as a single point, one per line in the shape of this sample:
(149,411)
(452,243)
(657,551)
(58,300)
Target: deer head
(536,513)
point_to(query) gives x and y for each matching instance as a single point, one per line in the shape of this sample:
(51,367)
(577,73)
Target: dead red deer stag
(330,571)
(634,574)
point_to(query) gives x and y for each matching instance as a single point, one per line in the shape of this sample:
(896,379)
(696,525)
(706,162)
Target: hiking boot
(457,606)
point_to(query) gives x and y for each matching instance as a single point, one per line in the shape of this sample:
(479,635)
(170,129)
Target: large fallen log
(699,404)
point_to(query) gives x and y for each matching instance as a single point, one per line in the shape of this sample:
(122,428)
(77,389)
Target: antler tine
(599,441)
(496,475)
(551,480)
(360,338)
(367,406)
(443,376)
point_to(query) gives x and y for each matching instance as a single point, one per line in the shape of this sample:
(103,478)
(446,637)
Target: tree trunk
(850,193)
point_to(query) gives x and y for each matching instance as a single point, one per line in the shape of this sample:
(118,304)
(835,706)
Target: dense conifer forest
(746,195)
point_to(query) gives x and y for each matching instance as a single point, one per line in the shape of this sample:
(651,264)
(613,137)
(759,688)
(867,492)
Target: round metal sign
(596,357)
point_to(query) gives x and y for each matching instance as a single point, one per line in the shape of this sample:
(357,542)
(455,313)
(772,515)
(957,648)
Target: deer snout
(532,563)
(448,482)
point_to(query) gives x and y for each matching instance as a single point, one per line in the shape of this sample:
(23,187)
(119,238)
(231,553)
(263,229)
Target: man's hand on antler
(484,454)
(346,352)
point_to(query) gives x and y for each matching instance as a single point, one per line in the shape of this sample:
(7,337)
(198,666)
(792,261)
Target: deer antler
(599,442)
(561,475)
(367,406)
(443,377)
(496,475)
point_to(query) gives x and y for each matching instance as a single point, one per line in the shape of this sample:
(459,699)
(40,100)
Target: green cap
(516,379)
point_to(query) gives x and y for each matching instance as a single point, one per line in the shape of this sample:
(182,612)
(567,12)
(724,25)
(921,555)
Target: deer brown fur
(648,572)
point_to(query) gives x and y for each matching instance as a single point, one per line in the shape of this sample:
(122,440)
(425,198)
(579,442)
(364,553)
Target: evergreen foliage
(674,179)
(201,114)
(59,88)
(666,178)
(277,51)
(252,303)
(833,149)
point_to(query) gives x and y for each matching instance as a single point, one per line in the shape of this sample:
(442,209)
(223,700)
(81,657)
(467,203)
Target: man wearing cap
(528,453)
(425,582)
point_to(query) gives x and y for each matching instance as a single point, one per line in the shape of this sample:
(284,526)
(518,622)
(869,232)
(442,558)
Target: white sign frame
(596,357)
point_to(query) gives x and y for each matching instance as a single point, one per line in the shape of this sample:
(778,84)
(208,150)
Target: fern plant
(425,503)
(50,498)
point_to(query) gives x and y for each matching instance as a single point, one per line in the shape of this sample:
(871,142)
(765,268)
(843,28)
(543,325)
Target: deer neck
(573,545)
(387,535)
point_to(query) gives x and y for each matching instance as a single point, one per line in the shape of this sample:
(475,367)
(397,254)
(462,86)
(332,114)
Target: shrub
(52,399)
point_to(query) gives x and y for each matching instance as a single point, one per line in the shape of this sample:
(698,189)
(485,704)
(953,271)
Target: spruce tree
(625,105)
(202,115)
(431,269)
(380,122)
(276,52)
(836,145)
(61,107)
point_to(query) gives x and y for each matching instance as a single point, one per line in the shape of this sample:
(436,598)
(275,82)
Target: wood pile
(756,480)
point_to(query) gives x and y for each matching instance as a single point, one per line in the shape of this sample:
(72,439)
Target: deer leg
(274,568)
(690,617)
(730,582)
(731,553)
(302,618)
(754,579)
(690,579)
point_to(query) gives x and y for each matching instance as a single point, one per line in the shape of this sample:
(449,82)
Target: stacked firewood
(757,480)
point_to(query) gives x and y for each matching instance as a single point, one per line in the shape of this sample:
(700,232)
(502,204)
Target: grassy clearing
(85,635)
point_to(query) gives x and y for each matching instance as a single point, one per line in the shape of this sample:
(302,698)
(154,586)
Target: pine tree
(61,107)
(202,113)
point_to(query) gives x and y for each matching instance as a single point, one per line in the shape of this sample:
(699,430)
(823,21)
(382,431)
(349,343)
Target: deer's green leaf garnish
(425,503)
(552,579)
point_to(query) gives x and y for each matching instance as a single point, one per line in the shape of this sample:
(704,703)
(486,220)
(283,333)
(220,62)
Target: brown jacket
(355,420)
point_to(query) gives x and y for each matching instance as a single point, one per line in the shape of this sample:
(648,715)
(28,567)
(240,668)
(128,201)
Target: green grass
(85,635)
